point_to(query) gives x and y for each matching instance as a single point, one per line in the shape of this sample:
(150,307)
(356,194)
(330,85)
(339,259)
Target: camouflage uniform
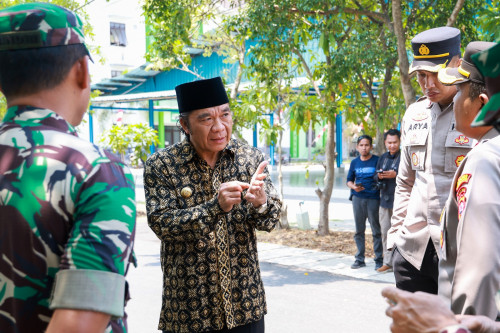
(67,213)
(67,208)
(209,257)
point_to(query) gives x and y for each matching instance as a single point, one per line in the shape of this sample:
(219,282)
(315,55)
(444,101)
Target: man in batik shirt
(67,208)
(205,197)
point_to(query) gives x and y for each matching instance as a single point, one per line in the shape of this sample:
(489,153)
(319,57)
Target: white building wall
(116,58)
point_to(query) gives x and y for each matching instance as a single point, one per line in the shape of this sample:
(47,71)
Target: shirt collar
(33,116)
(492,133)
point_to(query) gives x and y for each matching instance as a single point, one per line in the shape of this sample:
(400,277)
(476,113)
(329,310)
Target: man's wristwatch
(262,208)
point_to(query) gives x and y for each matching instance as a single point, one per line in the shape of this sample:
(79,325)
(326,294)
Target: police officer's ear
(484,99)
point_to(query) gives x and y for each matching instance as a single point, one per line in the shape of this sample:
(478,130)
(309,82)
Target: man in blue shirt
(365,200)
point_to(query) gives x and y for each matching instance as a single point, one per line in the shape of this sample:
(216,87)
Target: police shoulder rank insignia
(423,50)
(186,192)
(462,139)
(460,191)
(459,160)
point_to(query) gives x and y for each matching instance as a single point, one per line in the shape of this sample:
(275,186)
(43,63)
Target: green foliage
(489,18)
(348,47)
(139,137)
(177,27)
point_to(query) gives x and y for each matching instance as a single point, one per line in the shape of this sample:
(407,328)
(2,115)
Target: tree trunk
(236,86)
(454,15)
(326,194)
(239,73)
(404,65)
(379,141)
(284,209)
(383,105)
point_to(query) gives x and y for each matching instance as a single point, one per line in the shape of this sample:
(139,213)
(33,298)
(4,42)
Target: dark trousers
(255,327)
(411,279)
(367,208)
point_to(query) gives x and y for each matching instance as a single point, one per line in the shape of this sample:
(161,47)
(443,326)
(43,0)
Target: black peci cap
(434,48)
(201,94)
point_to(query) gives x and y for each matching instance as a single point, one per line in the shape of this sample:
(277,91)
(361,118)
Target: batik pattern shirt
(209,257)
(67,221)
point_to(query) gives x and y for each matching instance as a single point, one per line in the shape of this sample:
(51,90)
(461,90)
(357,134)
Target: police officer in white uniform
(432,149)
(477,235)
(469,268)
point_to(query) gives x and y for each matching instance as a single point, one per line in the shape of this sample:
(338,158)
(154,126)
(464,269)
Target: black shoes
(358,264)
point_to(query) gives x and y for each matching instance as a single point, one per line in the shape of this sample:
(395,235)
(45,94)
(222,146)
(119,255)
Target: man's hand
(387,174)
(479,324)
(355,187)
(358,188)
(230,194)
(256,193)
(417,312)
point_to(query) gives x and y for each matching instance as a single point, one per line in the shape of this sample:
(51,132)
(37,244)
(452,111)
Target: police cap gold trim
(434,48)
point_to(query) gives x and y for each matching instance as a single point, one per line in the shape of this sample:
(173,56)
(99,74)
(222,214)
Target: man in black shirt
(385,177)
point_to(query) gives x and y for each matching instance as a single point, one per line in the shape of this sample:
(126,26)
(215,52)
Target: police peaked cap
(433,49)
(201,94)
(467,70)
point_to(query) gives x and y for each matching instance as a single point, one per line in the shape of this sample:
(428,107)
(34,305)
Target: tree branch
(308,71)
(368,13)
(454,15)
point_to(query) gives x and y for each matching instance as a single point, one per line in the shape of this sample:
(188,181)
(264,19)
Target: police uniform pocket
(417,155)
(457,146)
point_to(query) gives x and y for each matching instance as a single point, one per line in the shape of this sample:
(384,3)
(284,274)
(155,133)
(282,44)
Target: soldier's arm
(100,244)
(477,272)
(167,220)
(404,185)
(78,321)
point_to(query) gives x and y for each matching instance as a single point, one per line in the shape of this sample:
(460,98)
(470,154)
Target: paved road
(321,302)
(307,291)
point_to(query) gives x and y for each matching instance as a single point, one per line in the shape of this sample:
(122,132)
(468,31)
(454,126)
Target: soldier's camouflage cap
(467,71)
(37,25)
(488,63)
(434,48)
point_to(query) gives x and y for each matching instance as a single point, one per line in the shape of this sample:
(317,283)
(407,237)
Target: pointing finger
(260,169)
